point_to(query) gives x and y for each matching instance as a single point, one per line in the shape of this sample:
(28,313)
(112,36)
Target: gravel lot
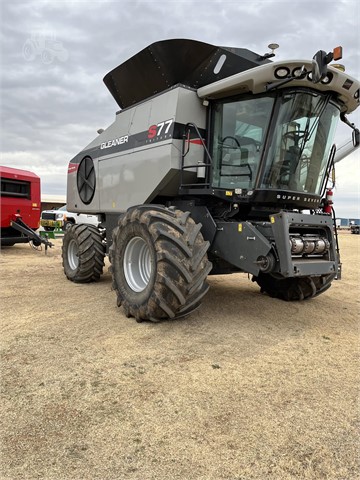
(247,387)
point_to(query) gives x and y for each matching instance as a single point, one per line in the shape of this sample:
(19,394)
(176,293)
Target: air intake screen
(86,180)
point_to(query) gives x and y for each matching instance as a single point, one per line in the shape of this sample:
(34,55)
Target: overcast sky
(51,106)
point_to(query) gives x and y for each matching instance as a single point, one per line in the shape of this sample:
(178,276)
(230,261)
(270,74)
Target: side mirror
(319,66)
(320,62)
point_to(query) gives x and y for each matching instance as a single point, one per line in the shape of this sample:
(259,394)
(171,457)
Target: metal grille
(48,216)
(86,180)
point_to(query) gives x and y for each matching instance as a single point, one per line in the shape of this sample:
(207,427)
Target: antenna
(272,46)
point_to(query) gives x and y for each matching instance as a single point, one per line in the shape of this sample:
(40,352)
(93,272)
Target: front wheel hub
(137,264)
(73,254)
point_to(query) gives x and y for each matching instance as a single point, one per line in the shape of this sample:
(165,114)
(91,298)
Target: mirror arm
(346,121)
(356,133)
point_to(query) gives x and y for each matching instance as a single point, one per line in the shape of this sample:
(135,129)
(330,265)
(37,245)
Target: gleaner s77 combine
(217,162)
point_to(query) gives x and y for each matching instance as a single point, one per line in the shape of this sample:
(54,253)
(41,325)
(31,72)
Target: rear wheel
(159,263)
(83,253)
(292,289)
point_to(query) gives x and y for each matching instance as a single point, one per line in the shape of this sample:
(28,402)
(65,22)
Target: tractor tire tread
(91,253)
(293,289)
(181,263)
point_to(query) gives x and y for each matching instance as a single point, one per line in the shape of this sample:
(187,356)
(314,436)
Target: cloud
(50,111)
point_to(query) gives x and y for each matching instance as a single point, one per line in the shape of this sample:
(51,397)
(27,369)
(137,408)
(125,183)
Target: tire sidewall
(68,237)
(125,234)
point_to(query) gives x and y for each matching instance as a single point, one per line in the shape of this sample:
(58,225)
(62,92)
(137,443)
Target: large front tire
(292,289)
(83,253)
(159,263)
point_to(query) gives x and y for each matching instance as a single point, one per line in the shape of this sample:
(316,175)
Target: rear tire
(293,289)
(159,263)
(83,253)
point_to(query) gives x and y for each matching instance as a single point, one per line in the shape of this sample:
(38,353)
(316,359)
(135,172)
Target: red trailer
(20,206)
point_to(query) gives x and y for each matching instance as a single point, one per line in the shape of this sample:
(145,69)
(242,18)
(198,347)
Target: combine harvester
(218,162)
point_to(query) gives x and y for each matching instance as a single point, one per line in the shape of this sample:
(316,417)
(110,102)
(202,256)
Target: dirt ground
(247,387)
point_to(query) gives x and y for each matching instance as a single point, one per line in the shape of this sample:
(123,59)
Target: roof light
(282,72)
(326,80)
(299,72)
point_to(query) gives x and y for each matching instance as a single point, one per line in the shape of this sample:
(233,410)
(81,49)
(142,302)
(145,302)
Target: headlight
(59,216)
(282,72)
(299,72)
(327,79)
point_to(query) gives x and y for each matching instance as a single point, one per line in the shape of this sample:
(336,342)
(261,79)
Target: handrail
(185,151)
(190,124)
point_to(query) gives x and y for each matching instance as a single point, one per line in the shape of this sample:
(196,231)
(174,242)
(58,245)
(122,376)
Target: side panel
(118,129)
(126,180)
(139,155)
(189,108)
(20,193)
(240,244)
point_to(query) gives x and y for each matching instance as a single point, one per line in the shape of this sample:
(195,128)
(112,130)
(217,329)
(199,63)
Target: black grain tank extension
(171,62)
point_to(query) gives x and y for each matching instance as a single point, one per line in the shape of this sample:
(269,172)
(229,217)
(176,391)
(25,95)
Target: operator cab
(272,131)
(274,141)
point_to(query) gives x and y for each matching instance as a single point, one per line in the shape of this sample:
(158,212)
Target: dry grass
(248,387)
